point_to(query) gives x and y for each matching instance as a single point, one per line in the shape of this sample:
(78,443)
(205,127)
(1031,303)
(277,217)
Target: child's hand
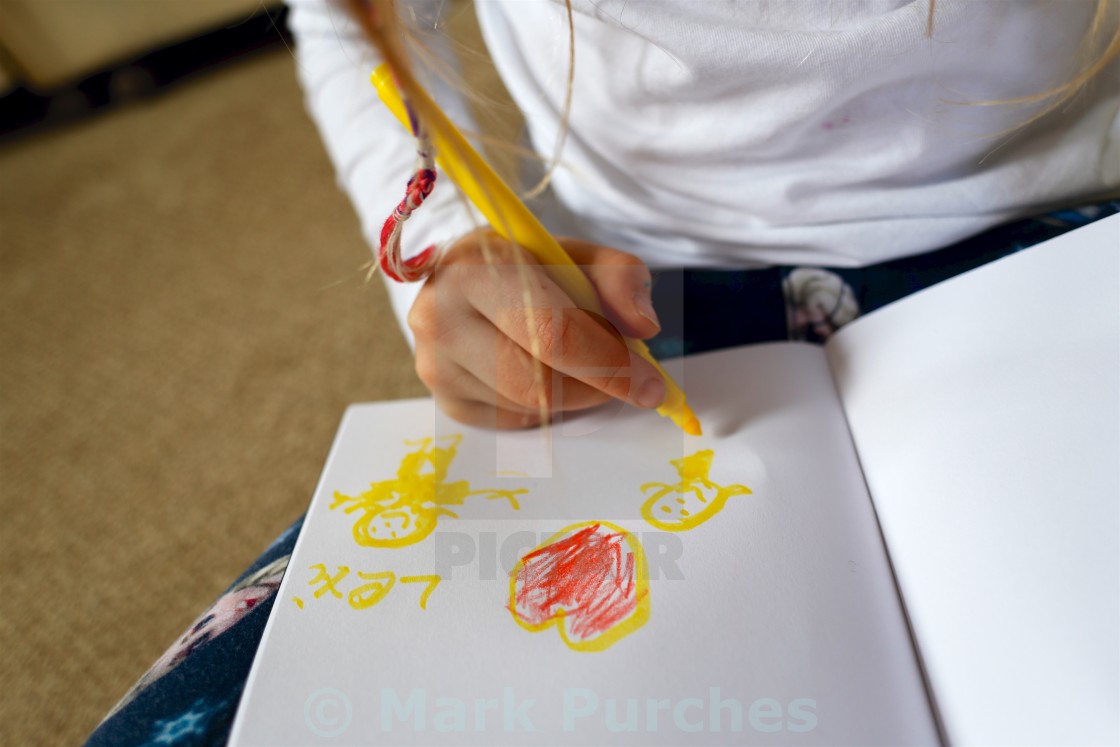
(479,325)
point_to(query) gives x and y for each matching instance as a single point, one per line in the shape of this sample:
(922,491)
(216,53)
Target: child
(896,142)
(725,135)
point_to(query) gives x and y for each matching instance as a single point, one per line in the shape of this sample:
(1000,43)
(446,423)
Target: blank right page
(986,412)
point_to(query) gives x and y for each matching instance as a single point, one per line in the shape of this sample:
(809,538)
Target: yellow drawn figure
(693,500)
(405,510)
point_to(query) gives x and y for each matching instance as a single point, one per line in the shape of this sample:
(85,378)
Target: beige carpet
(184,321)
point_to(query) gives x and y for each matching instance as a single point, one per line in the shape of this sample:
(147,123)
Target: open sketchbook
(909,536)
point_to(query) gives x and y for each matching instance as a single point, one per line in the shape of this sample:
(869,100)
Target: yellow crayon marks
(363,596)
(692,501)
(405,510)
(367,595)
(322,576)
(431,581)
(590,580)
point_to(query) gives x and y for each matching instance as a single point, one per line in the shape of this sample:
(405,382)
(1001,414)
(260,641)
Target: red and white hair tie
(418,188)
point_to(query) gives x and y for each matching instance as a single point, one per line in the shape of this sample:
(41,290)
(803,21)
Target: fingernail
(644,306)
(652,393)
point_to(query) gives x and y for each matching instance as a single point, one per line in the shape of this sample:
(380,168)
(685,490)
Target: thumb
(623,284)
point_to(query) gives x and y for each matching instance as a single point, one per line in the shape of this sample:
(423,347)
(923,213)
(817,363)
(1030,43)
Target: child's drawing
(405,510)
(361,597)
(431,580)
(693,500)
(377,586)
(328,583)
(589,580)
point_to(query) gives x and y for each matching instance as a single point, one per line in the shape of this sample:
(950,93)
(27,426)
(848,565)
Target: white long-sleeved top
(705,132)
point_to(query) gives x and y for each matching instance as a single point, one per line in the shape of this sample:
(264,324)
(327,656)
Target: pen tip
(688,422)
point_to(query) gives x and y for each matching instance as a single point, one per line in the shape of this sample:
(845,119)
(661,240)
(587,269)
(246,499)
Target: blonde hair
(1095,52)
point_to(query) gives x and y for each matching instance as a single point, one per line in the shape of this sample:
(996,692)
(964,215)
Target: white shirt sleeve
(373,155)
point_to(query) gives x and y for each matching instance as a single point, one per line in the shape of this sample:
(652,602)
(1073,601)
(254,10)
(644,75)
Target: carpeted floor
(184,321)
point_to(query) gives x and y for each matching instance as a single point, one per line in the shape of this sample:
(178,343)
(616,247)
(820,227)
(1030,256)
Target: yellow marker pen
(511,219)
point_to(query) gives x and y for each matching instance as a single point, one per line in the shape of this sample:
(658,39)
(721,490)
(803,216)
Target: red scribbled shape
(590,581)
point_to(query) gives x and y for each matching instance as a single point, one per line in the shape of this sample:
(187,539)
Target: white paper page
(774,621)
(986,413)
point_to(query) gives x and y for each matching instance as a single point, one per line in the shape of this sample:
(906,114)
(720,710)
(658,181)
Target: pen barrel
(507,215)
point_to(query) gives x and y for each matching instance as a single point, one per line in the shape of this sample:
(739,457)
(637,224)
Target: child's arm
(371,154)
(468,324)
